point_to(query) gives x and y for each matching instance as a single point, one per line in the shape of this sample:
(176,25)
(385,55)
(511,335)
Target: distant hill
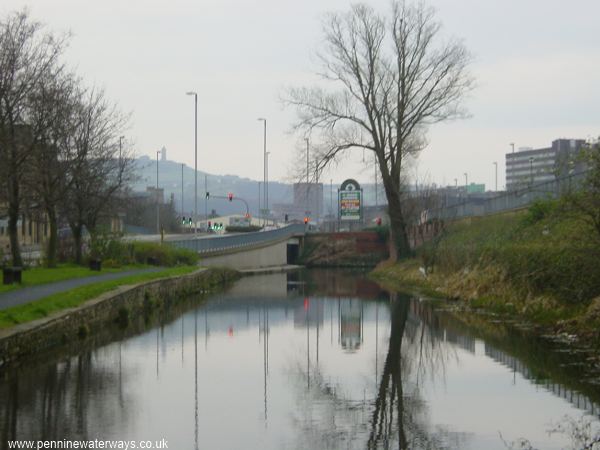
(169,178)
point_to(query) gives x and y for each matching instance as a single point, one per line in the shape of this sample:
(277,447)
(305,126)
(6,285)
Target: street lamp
(531,170)
(121,147)
(496,170)
(157,207)
(265,183)
(195,157)
(182,193)
(512,144)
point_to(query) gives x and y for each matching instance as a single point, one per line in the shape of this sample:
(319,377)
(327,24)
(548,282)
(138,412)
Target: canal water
(320,359)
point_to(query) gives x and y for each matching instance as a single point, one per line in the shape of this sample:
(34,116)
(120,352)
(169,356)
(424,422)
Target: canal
(319,359)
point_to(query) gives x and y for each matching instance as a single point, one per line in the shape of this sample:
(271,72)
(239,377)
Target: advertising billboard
(350,201)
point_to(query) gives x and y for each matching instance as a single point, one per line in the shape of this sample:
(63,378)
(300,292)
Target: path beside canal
(30,294)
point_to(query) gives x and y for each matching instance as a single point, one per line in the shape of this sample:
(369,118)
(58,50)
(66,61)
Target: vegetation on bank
(540,264)
(42,275)
(75,297)
(116,256)
(115,253)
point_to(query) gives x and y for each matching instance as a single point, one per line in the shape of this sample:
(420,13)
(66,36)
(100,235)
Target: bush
(164,255)
(540,210)
(115,253)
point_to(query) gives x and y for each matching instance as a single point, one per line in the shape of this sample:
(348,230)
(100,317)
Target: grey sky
(536,64)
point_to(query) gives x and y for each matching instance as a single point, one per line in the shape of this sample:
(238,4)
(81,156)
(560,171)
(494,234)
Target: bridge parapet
(237,242)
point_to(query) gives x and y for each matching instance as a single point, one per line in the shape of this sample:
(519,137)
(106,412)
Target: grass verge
(43,275)
(539,268)
(75,297)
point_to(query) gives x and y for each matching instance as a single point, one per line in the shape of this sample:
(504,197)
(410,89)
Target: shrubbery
(542,250)
(115,253)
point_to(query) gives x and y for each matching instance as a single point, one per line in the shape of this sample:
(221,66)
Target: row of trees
(61,153)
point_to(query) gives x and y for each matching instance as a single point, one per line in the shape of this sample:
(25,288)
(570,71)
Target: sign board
(350,201)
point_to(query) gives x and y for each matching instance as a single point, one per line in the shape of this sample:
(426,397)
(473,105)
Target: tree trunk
(77,232)
(52,247)
(399,243)
(13,218)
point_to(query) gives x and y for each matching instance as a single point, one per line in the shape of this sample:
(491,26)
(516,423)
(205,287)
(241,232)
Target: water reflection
(324,359)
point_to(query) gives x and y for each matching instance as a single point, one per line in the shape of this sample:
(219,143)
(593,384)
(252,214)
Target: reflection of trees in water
(71,398)
(415,351)
(397,415)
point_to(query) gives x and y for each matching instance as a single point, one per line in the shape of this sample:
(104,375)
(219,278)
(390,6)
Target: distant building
(163,154)
(308,202)
(531,166)
(475,188)
(156,195)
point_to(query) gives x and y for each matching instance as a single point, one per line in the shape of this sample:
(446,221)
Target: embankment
(538,265)
(352,249)
(115,310)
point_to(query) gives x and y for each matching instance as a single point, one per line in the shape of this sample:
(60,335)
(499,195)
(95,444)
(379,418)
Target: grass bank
(75,297)
(42,275)
(541,265)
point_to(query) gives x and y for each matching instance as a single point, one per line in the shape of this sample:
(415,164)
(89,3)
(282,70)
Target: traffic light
(190,221)
(305,220)
(207,195)
(286,218)
(230,196)
(209,225)
(183,221)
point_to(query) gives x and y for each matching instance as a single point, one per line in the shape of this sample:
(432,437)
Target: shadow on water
(344,364)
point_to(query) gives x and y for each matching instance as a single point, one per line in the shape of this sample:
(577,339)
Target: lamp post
(195,157)
(307,190)
(121,147)
(182,193)
(466,185)
(258,215)
(265,185)
(512,144)
(531,170)
(157,206)
(496,170)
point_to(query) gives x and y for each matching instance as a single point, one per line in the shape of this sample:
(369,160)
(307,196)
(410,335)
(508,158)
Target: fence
(215,244)
(509,200)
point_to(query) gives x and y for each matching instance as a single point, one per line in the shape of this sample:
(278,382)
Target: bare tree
(393,78)
(102,167)
(27,55)
(53,123)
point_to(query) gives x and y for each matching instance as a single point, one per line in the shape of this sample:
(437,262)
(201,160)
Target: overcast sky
(536,63)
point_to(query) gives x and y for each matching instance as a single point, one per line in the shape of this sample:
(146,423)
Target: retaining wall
(121,305)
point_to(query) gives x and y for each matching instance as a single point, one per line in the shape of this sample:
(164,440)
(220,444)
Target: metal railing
(215,244)
(510,200)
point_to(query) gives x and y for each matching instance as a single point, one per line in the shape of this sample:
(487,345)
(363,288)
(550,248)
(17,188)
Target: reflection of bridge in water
(577,399)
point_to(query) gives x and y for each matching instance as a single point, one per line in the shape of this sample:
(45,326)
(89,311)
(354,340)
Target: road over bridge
(251,250)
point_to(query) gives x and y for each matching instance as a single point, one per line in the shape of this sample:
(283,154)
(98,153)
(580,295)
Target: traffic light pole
(231,199)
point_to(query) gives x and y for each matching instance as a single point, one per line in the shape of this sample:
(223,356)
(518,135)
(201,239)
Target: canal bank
(116,308)
(538,266)
(318,358)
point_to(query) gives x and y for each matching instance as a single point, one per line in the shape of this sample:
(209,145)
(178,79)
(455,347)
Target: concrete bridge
(251,250)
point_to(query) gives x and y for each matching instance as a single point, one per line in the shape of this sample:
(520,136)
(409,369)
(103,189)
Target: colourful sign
(350,205)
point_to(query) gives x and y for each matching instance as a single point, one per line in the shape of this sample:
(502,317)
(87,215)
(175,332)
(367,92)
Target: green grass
(46,306)
(42,275)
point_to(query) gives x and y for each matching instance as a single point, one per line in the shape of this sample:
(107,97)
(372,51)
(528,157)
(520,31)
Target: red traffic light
(230,196)
(306,220)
